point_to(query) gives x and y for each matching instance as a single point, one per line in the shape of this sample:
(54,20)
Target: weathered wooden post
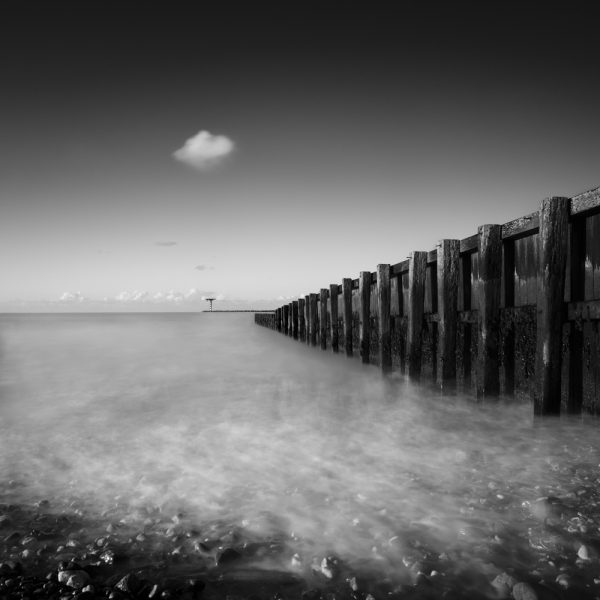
(347,314)
(508,303)
(313,319)
(301,320)
(384,310)
(552,245)
(488,304)
(278,319)
(417,267)
(465,291)
(364,290)
(295,319)
(333,301)
(448,255)
(291,319)
(286,318)
(307,317)
(577,276)
(323,320)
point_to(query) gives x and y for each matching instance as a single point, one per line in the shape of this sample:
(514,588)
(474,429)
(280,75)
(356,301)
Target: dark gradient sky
(360,135)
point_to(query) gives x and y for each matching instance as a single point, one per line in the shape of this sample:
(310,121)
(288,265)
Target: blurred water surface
(209,416)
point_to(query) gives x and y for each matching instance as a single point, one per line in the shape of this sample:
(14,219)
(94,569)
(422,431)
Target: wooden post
(291,319)
(364,288)
(508,296)
(552,240)
(301,320)
(417,267)
(577,274)
(278,319)
(447,288)
(347,314)
(333,300)
(295,319)
(286,318)
(466,292)
(307,317)
(323,321)
(488,319)
(384,309)
(313,319)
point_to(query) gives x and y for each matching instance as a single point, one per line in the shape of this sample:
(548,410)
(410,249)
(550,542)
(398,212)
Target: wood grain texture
(295,319)
(554,219)
(334,324)
(447,294)
(365,315)
(384,317)
(323,318)
(347,314)
(313,319)
(417,268)
(488,326)
(301,320)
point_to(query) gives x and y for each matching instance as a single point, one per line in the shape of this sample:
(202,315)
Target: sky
(151,156)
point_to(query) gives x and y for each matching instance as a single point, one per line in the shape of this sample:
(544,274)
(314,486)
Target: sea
(208,432)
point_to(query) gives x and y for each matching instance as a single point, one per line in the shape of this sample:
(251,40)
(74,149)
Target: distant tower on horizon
(211,301)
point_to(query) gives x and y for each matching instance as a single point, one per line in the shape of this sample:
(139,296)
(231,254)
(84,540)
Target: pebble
(329,567)
(523,591)
(583,552)
(503,584)
(130,584)
(74,579)
(563,580)
(78,580)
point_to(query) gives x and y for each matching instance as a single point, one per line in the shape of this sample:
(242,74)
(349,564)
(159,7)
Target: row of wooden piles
(471,282)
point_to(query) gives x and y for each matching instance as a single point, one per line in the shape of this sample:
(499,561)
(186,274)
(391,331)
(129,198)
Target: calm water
(213,419)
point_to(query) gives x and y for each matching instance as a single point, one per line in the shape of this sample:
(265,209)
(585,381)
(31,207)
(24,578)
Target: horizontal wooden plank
(399,268)
(469,244)
(521,227)
(583,311)
(588,201)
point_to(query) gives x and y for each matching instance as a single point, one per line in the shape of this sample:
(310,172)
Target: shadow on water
(212,449)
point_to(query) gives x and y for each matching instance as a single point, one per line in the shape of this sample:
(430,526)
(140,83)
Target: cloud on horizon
(166,243)
(204,150)
(72,297)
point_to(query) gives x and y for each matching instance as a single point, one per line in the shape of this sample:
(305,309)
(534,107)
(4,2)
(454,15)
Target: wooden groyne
(513,309)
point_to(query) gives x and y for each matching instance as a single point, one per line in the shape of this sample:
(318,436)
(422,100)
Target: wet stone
(73,579)
(503,584)
(130,584)
(523,591)
(330,567)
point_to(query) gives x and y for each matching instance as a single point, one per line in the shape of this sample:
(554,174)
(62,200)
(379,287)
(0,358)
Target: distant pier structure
(511,310)
(210,301)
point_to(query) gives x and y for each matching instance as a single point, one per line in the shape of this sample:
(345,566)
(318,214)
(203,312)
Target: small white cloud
(204,150)
(72,297)
(200,267)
